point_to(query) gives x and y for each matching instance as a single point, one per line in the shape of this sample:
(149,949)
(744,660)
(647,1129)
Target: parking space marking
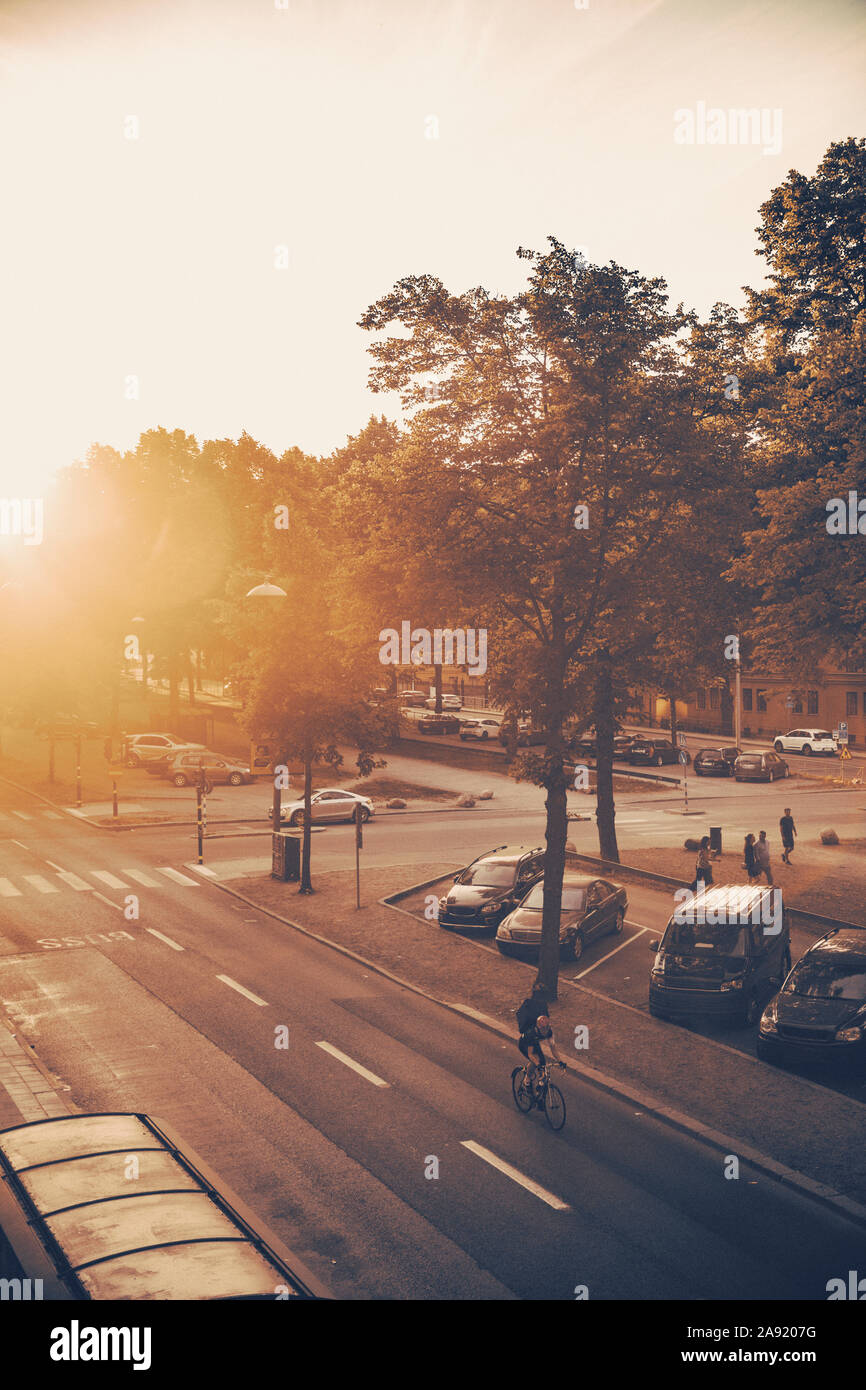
(621,947)
(516,1176)
(233,984)
(167,939)
(350,1062)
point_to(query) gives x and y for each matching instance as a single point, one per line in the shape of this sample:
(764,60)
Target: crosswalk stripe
(105,877)
(74,881)
(41,883)
(139,876)
(203,870)
(52,815)
(177,877)
(8,890)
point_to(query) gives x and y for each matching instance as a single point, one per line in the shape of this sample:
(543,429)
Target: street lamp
(269,590)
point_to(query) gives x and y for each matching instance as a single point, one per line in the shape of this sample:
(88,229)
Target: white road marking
(233,984)
(139,876)
(621,947)
(177,877)
(516,1175)
(202,869)
(111,880)
(52,815)
(22,815)
(19,844)
(103,899)
(74,881)
(42,884)
(350,1062)
(167,939)
(8,890)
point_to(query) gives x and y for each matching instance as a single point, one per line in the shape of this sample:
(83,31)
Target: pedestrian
(762,856)
(749,862)
(703,868)
(789,830)
(533,1007)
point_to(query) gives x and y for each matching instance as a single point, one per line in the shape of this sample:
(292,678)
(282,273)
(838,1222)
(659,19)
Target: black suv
(716,762)
(490,887)
(819,1014)
(654,750)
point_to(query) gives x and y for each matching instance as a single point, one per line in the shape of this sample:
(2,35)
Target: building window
(851,702)
(812,697)
(797,706)
(702,699)
(747,699)
(762,701)
(714,697)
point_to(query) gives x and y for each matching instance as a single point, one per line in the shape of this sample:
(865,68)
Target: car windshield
(718,942)
(488,875)
(822,733)
(826,977)
(573,899)
(712,753)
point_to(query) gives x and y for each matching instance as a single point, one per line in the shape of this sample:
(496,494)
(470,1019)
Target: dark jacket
(749,857)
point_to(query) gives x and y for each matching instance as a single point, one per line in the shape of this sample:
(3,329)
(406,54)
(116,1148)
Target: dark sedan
(587,745)
(655,751)
(716,762)
(819,1014)
(591,907)
(438,724)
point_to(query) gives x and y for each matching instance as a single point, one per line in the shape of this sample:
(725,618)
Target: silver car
(329,804)
(151,748)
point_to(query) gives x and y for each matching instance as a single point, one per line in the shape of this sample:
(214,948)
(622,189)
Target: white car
(806,741)
(479,728)
(448,702)
(329,804)
(150,748)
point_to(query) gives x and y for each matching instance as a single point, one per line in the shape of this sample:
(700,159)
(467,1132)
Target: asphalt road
(377,1090)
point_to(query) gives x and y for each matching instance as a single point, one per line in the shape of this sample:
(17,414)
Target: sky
(155,154)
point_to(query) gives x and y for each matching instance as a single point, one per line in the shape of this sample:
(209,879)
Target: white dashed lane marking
(350,1062)
(515,1175)
(167,939)
(22,815)
(233,984)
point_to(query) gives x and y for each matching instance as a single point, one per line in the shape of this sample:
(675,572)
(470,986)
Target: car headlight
(443,903)
(490,907)
(657,973)
(504,929)
(768,1022)
(849,1035)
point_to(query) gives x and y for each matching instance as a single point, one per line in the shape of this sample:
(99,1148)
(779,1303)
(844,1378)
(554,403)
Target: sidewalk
(27,1091)
(794,1121)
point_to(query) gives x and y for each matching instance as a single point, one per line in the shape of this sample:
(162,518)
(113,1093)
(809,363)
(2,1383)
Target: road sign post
(200,814)
(78,770)
(359,844)
(684,762)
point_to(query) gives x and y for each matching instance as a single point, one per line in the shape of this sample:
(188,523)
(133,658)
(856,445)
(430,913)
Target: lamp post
(738,701)
(269,590)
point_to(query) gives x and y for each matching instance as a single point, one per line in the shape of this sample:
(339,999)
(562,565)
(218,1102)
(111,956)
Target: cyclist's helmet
(542,1023)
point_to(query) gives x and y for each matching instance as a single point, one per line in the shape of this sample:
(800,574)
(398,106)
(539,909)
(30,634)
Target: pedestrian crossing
(8,819)
(91,880)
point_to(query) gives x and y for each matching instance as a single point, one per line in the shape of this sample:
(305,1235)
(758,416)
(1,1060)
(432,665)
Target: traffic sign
(681,739)
(845,753)
(684,757)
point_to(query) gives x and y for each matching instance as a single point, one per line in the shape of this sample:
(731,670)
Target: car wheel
(179,780)
(133,761)
(659,760)
(296,818)
(483,734)
(574,948)
(737,778)
(618,923)
(698,772)
(365,815)
(751,1012)
(806,750)
(779,746)
(236,780)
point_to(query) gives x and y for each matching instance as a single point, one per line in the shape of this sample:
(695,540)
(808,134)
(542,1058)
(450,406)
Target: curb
(675,1119)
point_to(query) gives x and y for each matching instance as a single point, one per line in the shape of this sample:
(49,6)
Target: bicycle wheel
(554,1107)
(522,1094)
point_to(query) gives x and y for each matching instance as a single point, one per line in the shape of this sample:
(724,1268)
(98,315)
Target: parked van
(724,952)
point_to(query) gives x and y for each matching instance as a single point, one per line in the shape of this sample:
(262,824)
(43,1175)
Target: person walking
(789,830)
(762,856)
(703,868)
(749,860)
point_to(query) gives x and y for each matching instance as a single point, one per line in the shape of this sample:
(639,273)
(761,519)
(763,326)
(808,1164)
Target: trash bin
(286,857)
(715,839)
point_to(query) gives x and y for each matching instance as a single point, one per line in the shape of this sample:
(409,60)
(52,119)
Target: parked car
(448,702)
(587,744)
(413,697)
(142,749)
(819,1014)
(716,762)
(523,730)
(488,888)
(724,967)
(760,767)
(591,907)
(479,728)
(329,804)
(806,741)
(184,770)
(438,724)
(655,751)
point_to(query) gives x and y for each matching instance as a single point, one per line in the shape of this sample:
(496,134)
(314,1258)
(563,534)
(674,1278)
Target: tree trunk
(173,693)
(306,882)
(437,679)
(672,701)
(190,679)
(605,810)
(556,830)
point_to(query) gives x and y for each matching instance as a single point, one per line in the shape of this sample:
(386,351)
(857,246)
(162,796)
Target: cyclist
(530,1040)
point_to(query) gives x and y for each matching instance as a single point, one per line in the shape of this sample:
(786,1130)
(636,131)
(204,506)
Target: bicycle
(546,1096)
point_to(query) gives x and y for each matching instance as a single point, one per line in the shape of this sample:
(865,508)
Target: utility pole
(738,700)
